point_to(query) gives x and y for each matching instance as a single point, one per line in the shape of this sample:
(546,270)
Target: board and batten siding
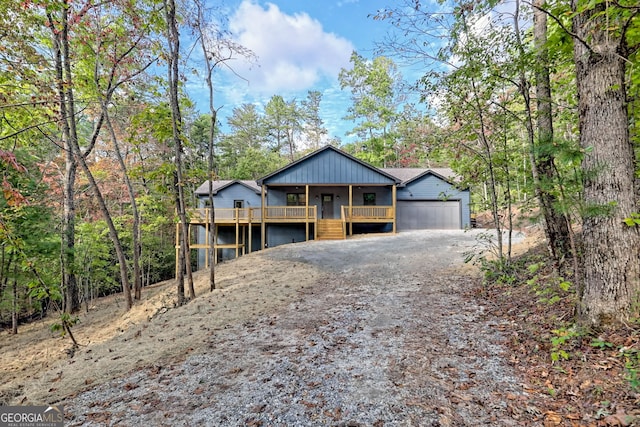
(329,167)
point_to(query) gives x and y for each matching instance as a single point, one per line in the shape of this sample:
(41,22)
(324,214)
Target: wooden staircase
(330,229)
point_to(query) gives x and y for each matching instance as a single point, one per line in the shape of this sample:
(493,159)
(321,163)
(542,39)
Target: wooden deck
(245,219)
(226,216)
(289,214)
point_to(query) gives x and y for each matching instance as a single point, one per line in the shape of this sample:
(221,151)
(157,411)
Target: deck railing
(244,215)
(368,213)
(290,213)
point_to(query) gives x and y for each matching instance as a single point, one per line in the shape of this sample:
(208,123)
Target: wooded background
(535,105)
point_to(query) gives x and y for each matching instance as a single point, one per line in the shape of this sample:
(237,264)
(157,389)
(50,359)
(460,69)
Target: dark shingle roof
(406,175)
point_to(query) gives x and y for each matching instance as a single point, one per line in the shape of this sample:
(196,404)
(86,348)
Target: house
(327,194)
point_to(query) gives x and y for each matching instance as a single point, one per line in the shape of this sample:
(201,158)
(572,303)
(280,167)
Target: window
(238,204)
(296,199)
(369,199)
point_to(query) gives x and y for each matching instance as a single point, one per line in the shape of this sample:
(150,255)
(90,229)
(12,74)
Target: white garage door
(419,215)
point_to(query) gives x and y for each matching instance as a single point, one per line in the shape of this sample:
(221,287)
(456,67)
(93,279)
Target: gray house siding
(281,234)
(329,167)
(225,199)
(236,191)
(432,188)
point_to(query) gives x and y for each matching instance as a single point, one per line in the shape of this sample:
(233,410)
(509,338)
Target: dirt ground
(36,367)
(369,331)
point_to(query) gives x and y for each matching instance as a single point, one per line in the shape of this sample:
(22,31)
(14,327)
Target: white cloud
(294,52)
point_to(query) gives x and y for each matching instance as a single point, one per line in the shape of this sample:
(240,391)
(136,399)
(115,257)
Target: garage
(428,214)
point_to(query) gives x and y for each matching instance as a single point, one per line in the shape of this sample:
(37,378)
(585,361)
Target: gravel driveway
(387,336)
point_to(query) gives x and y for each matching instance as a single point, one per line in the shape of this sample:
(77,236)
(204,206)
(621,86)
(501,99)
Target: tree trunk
(210,160)
(137,273)
(14,303)
(181,261)
(173,39)
(65,77)
(69,280)
(113,232)
(611,252)
(556,223)
(67,259)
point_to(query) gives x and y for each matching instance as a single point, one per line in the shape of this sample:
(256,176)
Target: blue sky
(301,45)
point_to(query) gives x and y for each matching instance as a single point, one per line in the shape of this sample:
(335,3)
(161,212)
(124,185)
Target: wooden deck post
(237,215)
(207,230)
(263,231)
(350,210)
(250,225)
(215,244)
(393,197)
(306,214)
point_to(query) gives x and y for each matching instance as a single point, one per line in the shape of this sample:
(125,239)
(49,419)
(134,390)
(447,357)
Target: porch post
(263,230)
(207,230)
(250,225)
(350,210)
(393,192)
(237,214)
(215,244)
(306,212)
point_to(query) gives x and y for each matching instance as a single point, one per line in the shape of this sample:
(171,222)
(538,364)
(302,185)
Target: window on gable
(296,199)
(238,204)
(369,199)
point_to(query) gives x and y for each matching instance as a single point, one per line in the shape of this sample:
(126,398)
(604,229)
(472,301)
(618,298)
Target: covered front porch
(327,211)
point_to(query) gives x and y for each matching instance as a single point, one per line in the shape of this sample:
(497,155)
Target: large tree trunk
(69,281)
(173,39)
(67,255)
(611,253)
(556,223)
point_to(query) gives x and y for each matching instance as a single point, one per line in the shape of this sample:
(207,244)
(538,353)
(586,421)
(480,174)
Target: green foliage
(96,266)
(375,96)
(485,254)
(65,322)
(561,340)
(633,220)
(631,357)
(28,243)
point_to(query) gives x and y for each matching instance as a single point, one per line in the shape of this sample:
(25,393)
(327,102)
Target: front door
(327,206)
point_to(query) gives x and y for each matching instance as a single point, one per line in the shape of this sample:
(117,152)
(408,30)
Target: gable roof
(220,185)
(408,175)
(322,174)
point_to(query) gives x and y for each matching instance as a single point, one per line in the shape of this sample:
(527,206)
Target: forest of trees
(534,105)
